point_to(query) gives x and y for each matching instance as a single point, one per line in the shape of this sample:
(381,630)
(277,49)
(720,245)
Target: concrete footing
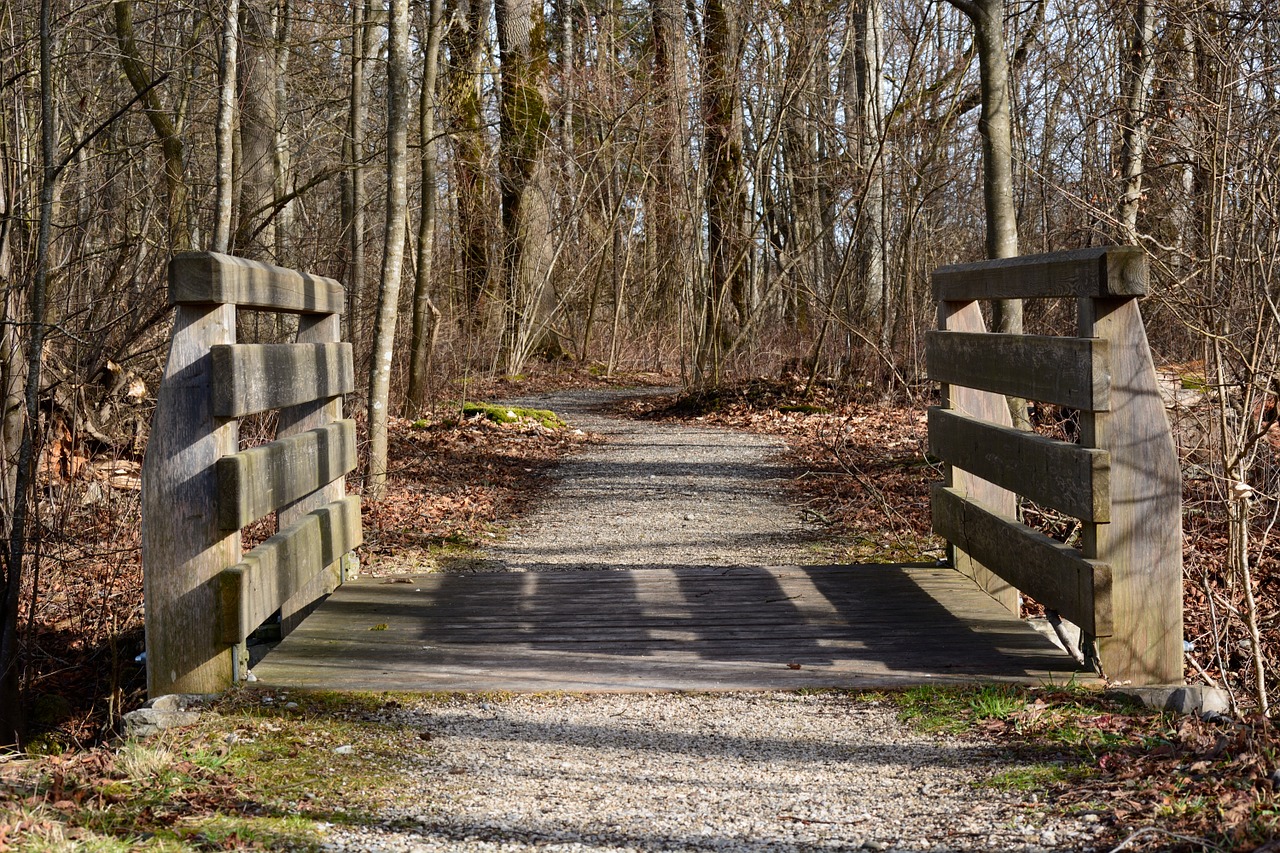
(1179,698)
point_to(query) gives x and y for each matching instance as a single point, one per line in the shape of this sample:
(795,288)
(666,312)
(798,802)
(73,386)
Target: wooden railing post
(183,548)
(966,316)
(1143,540)
(1122,481)
(204,597)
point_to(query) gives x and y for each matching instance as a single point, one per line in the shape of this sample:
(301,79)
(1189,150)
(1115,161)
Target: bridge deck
(696,629)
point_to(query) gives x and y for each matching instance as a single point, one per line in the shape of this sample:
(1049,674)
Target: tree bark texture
(426,316)
(167,127)
(725,195)
(524,123)
(466,43)
(393,259)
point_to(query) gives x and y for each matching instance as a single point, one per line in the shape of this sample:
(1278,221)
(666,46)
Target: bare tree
(393,257)
(426,316)
(226,128)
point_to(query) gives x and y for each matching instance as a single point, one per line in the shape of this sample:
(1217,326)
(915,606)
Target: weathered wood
(183,547)
(263,479)
(209,383)
(251,378)
(209,277)
(1064,371)
(1065,477)
(1143,542)
(313,329)
(272,572)
(844,626)
(1052,573)
(1094,273)
(966,317)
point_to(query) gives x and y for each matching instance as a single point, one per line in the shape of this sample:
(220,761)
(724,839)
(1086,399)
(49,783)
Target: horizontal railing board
(271,573)
(263,479)
(209,277)
(1065,477)
(250,378)
(1098,273)
(1064,371)
(1055,575)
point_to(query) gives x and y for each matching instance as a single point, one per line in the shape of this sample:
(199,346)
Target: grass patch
(1030,777)
(949,710)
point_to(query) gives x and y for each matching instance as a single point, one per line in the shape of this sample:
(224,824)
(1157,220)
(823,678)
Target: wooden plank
(250,378)
(263,479)
(183,547)
(209,277)
(1066,477)
(1052,573)
(1143,542)
(1065,371)
(313,329)
(255,587)
(880,625)
(966,317)
(1096,272)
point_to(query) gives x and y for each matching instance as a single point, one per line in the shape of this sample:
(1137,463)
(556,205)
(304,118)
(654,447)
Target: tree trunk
(1138,71)
(226,128)
(523,125)
(166,128)
(466,43)
(667,208)
(281,165)
(426,316)
(393,260)
(725,196)
(353,156)
(868,61)
(996,128)
(11,716)
(259,116)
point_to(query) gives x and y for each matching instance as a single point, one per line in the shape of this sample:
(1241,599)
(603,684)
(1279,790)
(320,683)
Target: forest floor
(1050,762)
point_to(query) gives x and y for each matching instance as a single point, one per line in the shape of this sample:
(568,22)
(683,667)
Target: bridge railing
(1121,480)
(204,596)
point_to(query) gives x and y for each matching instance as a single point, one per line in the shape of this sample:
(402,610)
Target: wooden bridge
(689,628)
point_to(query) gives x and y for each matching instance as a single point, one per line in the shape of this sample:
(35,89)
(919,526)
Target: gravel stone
(771,771)
(751,772)
(658,495)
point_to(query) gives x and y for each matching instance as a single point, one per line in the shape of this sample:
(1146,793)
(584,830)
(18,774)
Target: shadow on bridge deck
(676,628)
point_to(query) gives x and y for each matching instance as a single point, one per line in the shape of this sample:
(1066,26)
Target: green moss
(512,414)
(805,409)
(420,423)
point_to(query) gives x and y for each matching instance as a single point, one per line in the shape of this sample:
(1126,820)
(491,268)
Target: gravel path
(743,772)
(659,495)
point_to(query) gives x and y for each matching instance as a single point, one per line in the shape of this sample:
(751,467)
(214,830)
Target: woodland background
(706,190)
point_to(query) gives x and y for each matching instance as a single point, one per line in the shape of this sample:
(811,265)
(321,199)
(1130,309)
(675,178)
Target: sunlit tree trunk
(426,316)
(353,155)
(523,125)
(224,204)
(393,259)
(868,62)
(996,128)
(1138,71)
(259,117)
